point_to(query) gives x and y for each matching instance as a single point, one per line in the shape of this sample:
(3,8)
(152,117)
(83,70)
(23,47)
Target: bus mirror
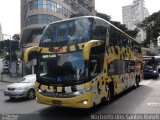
(86,51)
(28,51)
(88,46)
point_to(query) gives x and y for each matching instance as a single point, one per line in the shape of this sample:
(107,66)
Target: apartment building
(134,14)
(36,14)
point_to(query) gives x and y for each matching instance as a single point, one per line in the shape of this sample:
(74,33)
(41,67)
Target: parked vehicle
(151,72)
(23,88)
(5,66)
(158,60)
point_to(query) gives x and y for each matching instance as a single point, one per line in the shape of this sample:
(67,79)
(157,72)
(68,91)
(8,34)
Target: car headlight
(19,88)
(154,71)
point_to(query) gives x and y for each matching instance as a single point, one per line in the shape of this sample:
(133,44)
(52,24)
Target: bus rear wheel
(137,82)
(110,93)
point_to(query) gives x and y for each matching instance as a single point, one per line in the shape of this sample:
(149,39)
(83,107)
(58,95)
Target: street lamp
(9,50)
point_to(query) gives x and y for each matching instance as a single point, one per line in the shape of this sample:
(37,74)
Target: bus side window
(94,68)
(131,66)
(99,30)
(111,70)
(113,37)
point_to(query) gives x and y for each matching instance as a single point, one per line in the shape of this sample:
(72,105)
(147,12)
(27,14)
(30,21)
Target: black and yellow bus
(83,61)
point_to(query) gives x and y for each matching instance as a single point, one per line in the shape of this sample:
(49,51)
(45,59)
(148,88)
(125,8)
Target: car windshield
(27,80)
(63,68)
(150,67)
(67,32)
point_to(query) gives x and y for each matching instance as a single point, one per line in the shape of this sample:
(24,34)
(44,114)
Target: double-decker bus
(83,61)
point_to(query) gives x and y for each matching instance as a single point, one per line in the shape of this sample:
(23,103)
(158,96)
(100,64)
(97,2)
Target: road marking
(145,82)
(154,104)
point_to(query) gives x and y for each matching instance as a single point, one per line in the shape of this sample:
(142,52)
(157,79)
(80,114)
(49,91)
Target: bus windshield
(66,68)
(67,32)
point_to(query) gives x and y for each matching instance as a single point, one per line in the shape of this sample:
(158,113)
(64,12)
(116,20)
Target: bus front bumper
(81,101)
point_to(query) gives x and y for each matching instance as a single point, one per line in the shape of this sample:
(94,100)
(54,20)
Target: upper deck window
(67,32)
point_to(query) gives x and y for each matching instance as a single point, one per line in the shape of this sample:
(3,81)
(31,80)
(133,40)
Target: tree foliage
(132,33)
(77,15)
(9,47)
(104,16)
(151,25)
(16,37)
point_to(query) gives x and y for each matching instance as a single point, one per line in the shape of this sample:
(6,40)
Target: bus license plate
(56,102)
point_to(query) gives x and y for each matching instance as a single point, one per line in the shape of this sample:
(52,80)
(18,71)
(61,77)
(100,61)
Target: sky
(114,7)
(10,17)
(10,12)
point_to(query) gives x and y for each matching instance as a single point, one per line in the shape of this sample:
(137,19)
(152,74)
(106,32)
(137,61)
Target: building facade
(134,14)
(1,34)
(36,14)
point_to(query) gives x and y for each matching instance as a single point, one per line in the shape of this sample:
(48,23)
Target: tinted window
(100,28)
(114,36)
(117,67)
(68,32)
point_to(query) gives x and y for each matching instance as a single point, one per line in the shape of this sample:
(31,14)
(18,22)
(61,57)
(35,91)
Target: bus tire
(110,93)
(137,82)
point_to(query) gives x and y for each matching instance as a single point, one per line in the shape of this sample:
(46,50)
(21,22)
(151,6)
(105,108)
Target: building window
(50,5)
(40,19)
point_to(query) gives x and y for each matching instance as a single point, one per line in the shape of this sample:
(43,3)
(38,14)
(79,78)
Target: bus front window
(63,68)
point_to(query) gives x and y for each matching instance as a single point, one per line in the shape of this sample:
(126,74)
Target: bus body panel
(66,101)
(119,64)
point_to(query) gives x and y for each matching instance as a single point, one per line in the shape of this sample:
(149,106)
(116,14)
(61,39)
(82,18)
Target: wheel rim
(31,94)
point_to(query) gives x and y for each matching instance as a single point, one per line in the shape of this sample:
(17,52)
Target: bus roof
(95,17)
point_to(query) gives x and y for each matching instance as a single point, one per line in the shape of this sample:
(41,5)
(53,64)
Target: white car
(23,88)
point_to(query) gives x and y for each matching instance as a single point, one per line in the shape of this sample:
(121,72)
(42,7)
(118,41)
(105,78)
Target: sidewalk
(7,78)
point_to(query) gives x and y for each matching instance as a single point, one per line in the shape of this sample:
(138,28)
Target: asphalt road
(143,100)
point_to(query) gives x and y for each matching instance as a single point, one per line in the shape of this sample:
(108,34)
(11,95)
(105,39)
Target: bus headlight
(80,92)
(85,102)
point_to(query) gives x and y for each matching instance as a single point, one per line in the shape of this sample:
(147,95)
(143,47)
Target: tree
(104,16)
(132,33)
(10,47)
(16,37)
(77,15)
(151,25)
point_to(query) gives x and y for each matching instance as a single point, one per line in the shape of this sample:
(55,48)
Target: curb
(7,81)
